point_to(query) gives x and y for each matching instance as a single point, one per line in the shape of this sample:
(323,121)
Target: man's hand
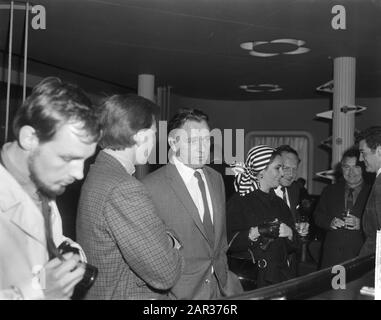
(285,231)
(302,228)
(62,276)
(352,222)
(337,223)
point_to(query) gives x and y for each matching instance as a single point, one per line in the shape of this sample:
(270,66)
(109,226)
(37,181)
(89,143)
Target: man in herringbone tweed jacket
(117,224)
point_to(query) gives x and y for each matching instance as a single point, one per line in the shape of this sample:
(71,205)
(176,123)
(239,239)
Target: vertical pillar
(146,89)
(344,79)
(146,86)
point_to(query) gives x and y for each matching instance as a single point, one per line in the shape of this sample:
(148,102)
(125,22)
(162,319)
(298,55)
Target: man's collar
(359,186)
(23,178)
(185,171)
(124,161)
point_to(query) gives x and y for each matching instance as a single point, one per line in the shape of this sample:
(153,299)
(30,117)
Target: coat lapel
(178,186)
(14,205)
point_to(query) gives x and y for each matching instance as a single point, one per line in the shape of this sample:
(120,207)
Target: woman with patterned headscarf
(259,223)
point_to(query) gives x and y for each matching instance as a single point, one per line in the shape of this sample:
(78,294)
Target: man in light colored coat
(56,129)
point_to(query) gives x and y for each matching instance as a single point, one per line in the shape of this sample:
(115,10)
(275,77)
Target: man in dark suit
(289,191)
(370,153)
(190,198)
(117,223)
(339,212)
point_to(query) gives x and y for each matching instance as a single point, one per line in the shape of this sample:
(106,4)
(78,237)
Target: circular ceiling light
(264,87)
(253,51)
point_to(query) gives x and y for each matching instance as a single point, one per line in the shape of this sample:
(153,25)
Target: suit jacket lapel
(293,202)
(377,187)
(178,186)
(359,205)
(14,204)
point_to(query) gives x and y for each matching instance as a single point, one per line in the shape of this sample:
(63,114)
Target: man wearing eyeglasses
(340,209)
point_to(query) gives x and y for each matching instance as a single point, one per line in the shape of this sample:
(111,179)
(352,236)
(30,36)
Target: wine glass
(302,226)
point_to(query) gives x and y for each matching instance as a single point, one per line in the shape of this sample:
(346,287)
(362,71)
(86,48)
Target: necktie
(46,212)
(349,204)
(207,222)
(284,194)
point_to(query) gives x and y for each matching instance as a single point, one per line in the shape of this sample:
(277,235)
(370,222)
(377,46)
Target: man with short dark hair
(190,198)
(117,223)
(340,209)
(370,154)
(56,130)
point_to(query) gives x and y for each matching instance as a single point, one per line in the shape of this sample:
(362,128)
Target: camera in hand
(90,274)
(269,229)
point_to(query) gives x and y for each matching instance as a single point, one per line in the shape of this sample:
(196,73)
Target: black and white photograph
(190,154)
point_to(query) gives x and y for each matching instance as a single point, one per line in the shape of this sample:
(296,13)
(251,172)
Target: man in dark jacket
(370,154)
(340,210)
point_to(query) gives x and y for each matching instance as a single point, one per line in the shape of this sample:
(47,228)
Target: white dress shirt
(191,182)
(279,193)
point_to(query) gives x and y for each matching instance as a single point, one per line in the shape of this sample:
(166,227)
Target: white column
(146,86)
(343,127)
(146,89)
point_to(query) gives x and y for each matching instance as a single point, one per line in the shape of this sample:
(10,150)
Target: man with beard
(190,199)
(56,130)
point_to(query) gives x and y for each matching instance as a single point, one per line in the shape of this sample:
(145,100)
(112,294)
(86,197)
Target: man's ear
(172,142)
(140,137)
(378,151)
(28,138)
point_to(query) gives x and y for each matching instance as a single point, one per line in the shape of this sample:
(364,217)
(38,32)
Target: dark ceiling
(194,45)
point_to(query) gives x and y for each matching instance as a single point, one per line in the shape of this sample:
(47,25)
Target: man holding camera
(56,130)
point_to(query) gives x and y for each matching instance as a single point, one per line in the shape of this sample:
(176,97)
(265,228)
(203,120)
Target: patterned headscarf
(246,175)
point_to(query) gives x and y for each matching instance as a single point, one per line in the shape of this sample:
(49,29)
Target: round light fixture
(263,87)
(252,47)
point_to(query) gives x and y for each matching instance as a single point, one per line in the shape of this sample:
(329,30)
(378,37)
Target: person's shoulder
(155,175)
(212,172)
(331,189)
(294,187)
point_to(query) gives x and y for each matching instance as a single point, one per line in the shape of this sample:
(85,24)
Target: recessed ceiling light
(262,54)
(298,51)
(251,46)
(263,87)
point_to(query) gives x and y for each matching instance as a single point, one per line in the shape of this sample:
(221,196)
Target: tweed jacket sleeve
(141,236)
